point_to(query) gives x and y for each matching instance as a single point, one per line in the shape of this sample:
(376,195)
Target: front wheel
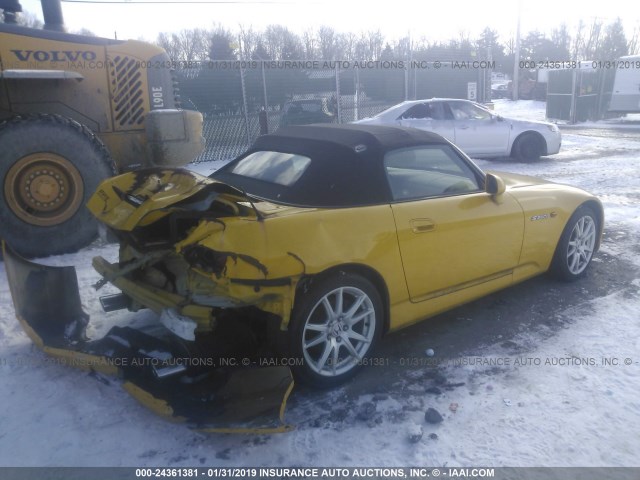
(335,326)
(528,148)
(576,246)
(49,167)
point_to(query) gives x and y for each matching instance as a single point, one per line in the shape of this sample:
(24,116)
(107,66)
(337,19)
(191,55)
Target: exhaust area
(52,13)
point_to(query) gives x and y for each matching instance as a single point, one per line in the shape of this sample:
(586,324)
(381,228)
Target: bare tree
(282,44)
(165,41)
(327,43)
(86,32)
(633,46)
(348,43)
(374,44)
(402,48)
(310,44)
(464,37)
(248,41)
(361,48)
(194,44)
(26,19)
(592,40)
(186,45)
(578,40)
(562,39)
(277,42)
(510,46)
(29,19)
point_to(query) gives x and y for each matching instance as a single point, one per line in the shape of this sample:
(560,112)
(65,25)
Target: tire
(322,327)
(577,245)
(527,148)
(49,167)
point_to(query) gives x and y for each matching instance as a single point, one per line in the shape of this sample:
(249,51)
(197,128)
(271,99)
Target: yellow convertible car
(338,234)
(320,239)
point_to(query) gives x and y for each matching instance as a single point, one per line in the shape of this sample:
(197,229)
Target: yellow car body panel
(547,208)
(286,244)
(485,236)
(162,188)
(432,254)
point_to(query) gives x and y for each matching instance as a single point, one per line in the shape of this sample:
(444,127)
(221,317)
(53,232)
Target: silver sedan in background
(476,130)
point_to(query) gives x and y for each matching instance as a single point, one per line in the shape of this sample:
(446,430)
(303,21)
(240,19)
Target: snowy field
(559,392)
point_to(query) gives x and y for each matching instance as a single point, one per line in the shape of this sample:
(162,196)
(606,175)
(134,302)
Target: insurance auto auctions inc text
(371,472)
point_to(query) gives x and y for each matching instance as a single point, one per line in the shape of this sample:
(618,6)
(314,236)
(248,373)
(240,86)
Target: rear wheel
(49,167)
(576,246)
(335,326)
(528,148)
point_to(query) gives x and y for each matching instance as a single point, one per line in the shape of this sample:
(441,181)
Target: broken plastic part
(180,325)
(232,399)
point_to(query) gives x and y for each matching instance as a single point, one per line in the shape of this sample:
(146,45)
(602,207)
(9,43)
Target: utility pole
(515,83)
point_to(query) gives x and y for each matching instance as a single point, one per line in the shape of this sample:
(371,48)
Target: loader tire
(49,167)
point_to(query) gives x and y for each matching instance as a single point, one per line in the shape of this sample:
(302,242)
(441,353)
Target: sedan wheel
(527,148)
(577,245)
(336,327)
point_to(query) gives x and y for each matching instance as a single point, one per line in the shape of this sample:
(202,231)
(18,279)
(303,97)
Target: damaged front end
(191,249)
(183,254)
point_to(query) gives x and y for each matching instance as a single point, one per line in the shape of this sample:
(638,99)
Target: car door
(451,233)
(477,132)
(429,116)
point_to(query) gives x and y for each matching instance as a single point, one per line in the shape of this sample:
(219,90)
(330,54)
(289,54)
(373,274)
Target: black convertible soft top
(350,135)
(346,163)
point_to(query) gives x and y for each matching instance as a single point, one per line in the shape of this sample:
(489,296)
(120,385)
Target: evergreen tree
(221,45)
(614,45)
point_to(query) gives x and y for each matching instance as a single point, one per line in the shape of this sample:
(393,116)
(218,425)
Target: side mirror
(494,185)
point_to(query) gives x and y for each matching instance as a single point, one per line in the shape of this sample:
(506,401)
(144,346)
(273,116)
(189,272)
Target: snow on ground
(551,405)
(579,413)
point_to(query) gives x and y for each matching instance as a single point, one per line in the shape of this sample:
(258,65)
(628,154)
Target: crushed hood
(142,197)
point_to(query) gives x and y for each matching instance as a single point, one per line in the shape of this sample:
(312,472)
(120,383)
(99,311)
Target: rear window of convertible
(273,167)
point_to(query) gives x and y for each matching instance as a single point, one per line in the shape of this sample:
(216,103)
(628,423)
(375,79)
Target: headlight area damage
(220,309)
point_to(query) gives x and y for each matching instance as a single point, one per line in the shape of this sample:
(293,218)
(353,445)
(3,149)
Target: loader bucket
(230,399)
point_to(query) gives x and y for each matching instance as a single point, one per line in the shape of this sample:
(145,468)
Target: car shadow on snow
(405,370)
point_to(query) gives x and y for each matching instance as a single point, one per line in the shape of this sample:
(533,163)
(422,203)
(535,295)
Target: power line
(169,2)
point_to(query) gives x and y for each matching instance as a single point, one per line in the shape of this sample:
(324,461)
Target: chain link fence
(234,95)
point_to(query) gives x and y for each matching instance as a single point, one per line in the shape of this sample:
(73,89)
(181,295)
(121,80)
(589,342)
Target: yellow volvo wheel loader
(74,110)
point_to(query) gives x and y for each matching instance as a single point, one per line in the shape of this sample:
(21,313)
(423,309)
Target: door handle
(422,225)
(463,127)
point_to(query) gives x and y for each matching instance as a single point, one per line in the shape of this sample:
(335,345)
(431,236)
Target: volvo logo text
(54,55)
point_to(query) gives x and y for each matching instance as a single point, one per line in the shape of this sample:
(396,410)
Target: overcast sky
(433,20)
